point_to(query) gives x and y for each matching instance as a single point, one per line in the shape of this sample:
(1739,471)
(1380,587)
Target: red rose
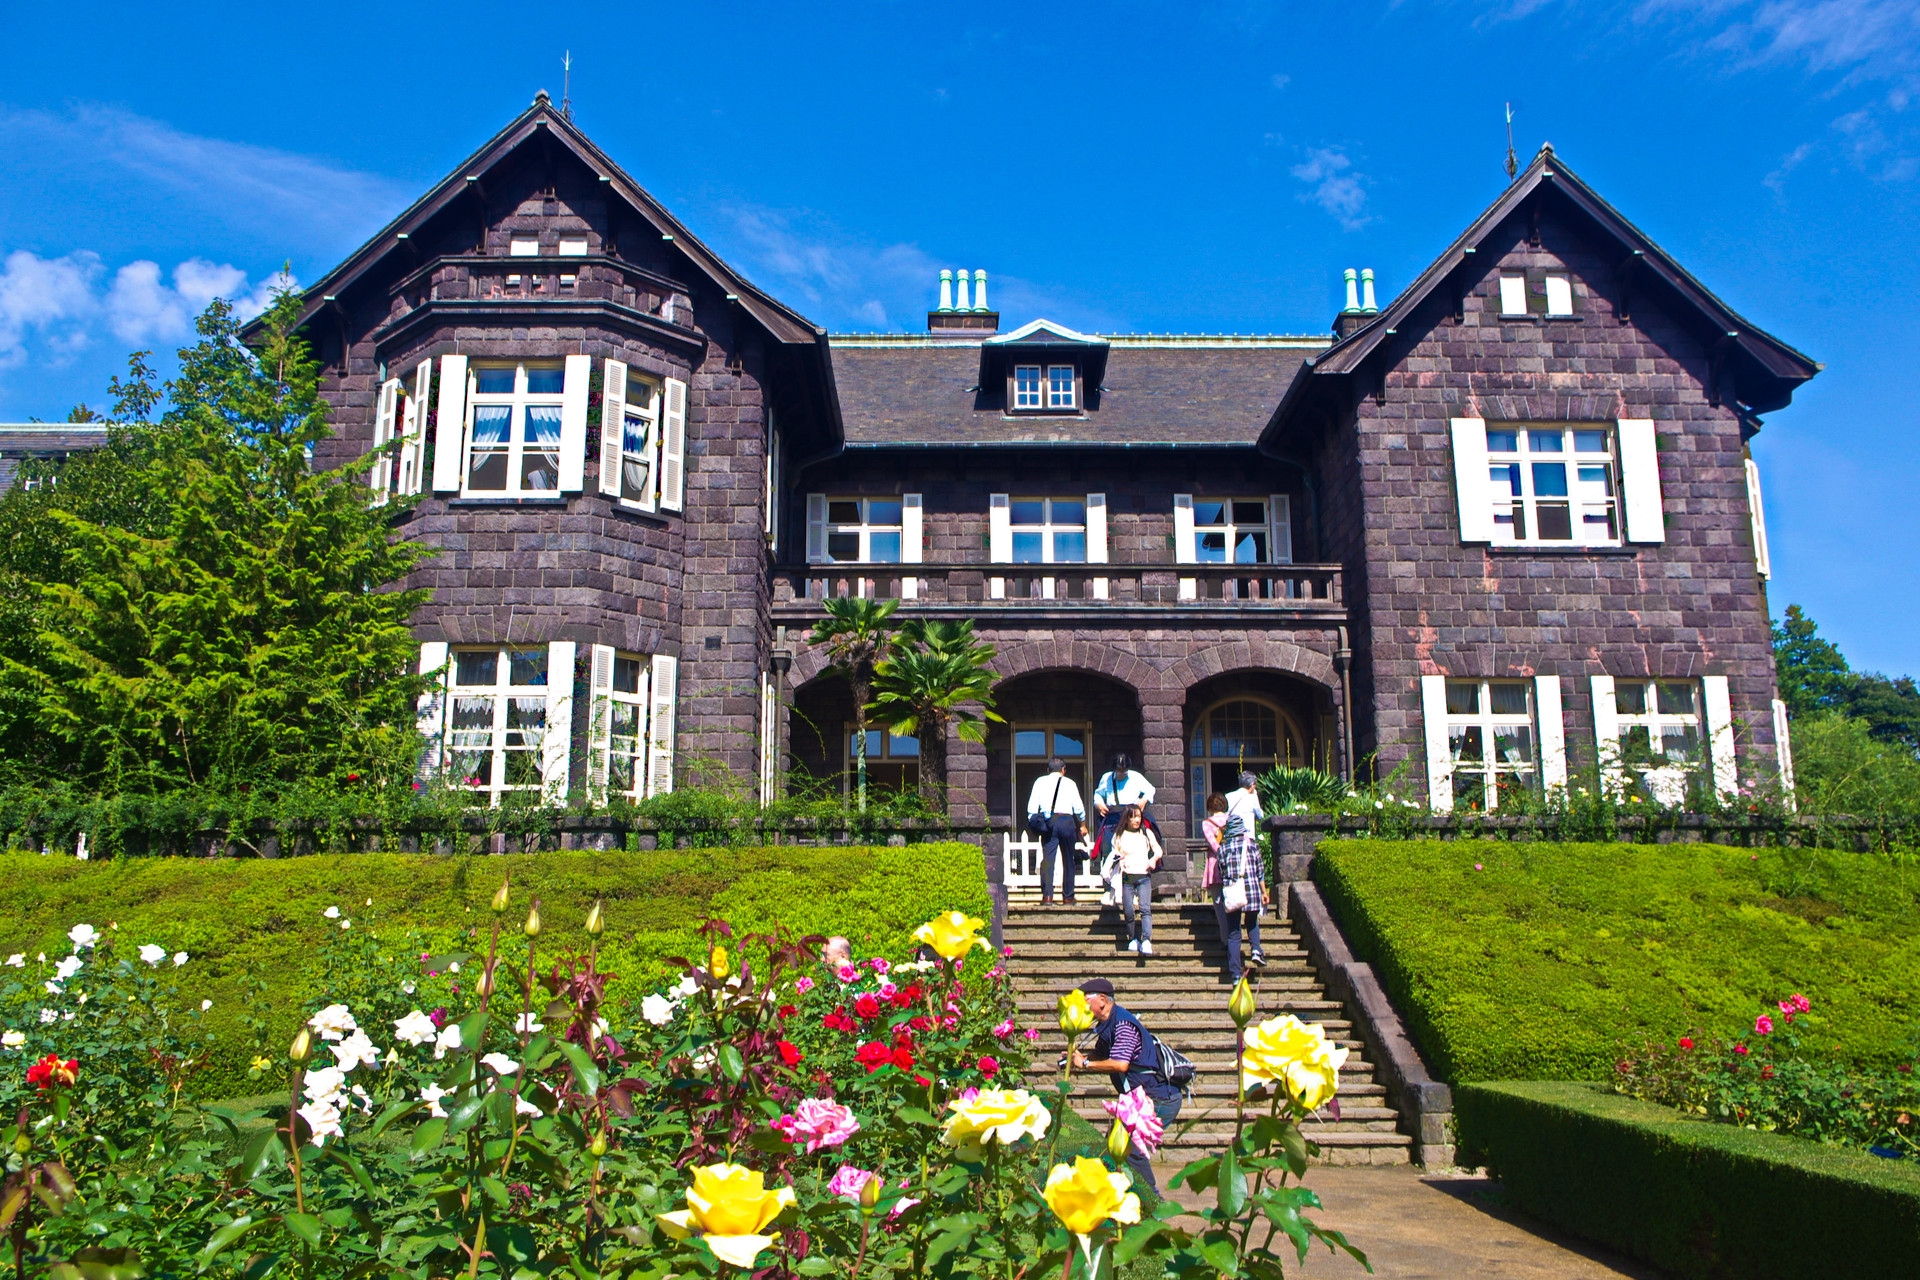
(837,1020)
(922,1023)
(902,1038)
(901,1000)
(1766,1073)
(787,1011)
(1740,1049)
(923,1082)
(1686,1042)
(873,1055)
(867,1007)
(913,991)
(51,1073)
(988,1066)
(789,1054)
(903,1058)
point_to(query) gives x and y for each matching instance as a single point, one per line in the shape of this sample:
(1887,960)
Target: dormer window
(1026,386)
(523,247)
(573,246)
(1060,386)
(1044,387)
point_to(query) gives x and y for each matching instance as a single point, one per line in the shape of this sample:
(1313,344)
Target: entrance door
(1033,746)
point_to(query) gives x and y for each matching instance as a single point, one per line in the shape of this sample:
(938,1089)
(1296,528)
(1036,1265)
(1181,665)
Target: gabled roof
(1766,370)
(1044,333)
(782,322)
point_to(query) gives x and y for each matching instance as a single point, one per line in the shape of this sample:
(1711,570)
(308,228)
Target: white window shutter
(1280,535)
(912,541)
(662,693)
(414,452)
(673,446)
(599,720)
(556,741)
(999,541)
(1552,727)
(1783,752)
(573,423)
(1470,480)
(1640,481)
(816,528)
(432,708)
(450,426)
(774,505)
(1719,700)
(1433,719)
(1184,549)
(1606,731)
(613,426)
(385,409)
(1097,539)
(769,736)
(1758,513)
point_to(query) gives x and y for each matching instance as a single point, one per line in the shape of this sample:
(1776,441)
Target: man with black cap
(1127,1051)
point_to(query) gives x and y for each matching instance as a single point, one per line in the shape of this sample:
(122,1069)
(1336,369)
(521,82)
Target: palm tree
(919,687)
(856,632)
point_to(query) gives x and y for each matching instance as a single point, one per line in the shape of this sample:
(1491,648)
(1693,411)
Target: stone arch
(1255,654)
(1035,656)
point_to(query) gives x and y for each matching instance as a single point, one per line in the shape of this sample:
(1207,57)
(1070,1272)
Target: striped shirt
(1126,1043)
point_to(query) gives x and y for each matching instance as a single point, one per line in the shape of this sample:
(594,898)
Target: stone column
(1164,761)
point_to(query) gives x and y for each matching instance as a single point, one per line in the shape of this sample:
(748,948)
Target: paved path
(1419,1226)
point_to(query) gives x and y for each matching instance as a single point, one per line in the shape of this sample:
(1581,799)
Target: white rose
(526,1025)
(83,935)
(448,1039)
(179,958)
(500,1063)
(153,955)
(431,1095)
(324,1119)
(658,1010)
(333,1022)
(355,1050)
(331,913)
(416,1029)
(16,961)
(67,968)
(13,1039)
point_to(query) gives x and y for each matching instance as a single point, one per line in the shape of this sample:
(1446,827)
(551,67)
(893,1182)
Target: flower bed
(1530,961)
(513,1110)
(246,918)
(1689,1197)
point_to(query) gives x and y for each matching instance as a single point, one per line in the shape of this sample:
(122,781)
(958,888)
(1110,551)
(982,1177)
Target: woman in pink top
(1215,824)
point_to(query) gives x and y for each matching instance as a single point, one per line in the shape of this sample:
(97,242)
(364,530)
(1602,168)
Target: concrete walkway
(1437,1226)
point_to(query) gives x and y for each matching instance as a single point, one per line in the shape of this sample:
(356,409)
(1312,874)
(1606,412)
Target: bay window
(513,429)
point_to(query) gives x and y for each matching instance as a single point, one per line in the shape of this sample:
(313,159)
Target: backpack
(1176,1068)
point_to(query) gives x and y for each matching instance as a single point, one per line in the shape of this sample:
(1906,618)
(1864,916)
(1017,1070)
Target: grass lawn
(1536,961)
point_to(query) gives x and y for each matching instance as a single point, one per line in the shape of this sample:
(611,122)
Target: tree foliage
(921,686)
(193,604)
(856,633)
(1814,677)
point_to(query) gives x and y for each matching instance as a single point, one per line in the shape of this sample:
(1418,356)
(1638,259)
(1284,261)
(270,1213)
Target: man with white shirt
(1119,787)
(1055,808)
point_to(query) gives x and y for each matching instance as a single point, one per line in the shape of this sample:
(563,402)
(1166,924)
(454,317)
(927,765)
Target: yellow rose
(717,963)
(953,934)
(993,1115)
(1296,1055)
(1075,1016)
(1083,1195)
(730,1206)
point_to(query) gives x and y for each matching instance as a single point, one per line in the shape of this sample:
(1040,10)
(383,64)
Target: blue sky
(1196,168)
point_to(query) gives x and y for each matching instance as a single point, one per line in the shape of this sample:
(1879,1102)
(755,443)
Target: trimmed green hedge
(1690,1197)
(1541,963)
(237,917)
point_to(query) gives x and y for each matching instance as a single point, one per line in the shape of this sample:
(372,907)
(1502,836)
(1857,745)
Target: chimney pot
(946,290)
(1367,304)
(1353,291)
(960,291)
(979,290)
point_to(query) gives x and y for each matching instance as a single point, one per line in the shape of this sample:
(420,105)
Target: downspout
(1343,663)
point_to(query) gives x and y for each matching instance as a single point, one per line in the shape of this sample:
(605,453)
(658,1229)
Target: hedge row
(241,917)
(1692,1198)
(1538,961)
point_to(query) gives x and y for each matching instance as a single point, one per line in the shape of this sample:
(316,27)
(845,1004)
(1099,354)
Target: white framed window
(627,727)
(639,440)
(1559,291)
(1060,386)
(863,530)
(1491,743)
(1239,734)
(1026,387)
(893,761)
(513,429)
(1659,722)
(1035,744)
(1513,295)
(1553,484)
(1048,530)
(573,246)
(1232,531)
(523,246)
(497,721)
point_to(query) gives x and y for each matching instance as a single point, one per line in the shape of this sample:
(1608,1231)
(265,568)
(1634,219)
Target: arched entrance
(821,744)
(1253,720)
(1081,716)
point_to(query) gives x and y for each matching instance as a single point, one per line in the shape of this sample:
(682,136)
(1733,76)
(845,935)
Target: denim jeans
(1062,833)
(1137,889)
(1168,1110)
(1230,931)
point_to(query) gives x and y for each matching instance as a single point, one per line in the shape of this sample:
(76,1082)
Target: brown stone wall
(1692,606)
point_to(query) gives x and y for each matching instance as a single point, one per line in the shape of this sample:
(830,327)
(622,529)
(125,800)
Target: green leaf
(731,1062)
(1261,1134)
(266,1151)
(223,1239)
(496,1191)
(1294,1143)
(585,1071)
(392,1113)
(1232,1186)
(471,1029)
(306,1226)
(915,1115)
(1197,1175)
(1218,1249)
(465,1112)
(1134,1239)
(428,1136)
(946,1242)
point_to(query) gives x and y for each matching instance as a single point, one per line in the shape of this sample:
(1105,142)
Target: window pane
(491,423)
(1546,441)
(1505,481)
(1463,697)
(1469,791)
(1250,513)
(1503,442)
(546,382)
(1596,483)
(626,675)
(884,511)
(1590,441)
(1209,512)
(527,667)
(1030,742)
(901,745)
(1069,511)
(1250,548)
(472,722)
(1676,699)
(1513,745)
(1680,745)
(475,670)
(886,547)
(1067,744)
(1555,521)
(620,774)
(493,382)
(843,513)
(1027,548)
(524,714)
(624,724)
(1549,479)
(1630,698)
(1464,742)
(540,463)
(1509,698)
(843,548)
(1069,548)
(875,739)
(1027,511)
(1634,743)
(1211,548)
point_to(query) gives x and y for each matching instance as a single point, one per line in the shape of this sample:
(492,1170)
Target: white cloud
(51,299)
(140,308)
(1336,186)
(1281,80)
(1776,181)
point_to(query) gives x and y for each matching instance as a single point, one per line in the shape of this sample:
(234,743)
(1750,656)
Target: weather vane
(566,89)
(1513,165)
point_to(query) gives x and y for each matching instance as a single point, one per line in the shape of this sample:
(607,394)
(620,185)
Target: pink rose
(1033,1033)
(818,1123)
(1135,1110)
(879,964)
(1786,1007)
(1763,1025)
(1740,1049)
(989,1065)
(804,985)
(847,1181)
(887,990)
(1004,1030)
(847,973)
(1801,1003)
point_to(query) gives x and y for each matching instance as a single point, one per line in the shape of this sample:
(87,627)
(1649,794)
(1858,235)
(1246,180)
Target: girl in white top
(1140,855)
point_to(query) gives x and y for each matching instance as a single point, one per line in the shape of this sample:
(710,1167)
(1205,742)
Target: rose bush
(501,1112)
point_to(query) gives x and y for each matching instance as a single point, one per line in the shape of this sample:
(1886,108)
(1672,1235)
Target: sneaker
(1146,946)
(1258,960)
(1133,944)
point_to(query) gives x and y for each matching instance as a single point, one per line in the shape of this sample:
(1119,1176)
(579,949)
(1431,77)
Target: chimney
(958,315)
(1367,304)
(1351,317)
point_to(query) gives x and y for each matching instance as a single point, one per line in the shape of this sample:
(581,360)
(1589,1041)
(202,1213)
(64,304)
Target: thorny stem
(866,1230)
(486,998)
(293,1137)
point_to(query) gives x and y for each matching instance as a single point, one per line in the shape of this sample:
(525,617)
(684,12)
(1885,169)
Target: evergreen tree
(1814,677)
(920,688)
(203,607)
(856,632)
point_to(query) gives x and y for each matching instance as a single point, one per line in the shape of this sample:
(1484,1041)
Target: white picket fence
(1020,863)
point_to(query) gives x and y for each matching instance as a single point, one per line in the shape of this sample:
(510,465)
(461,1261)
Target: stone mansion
(1503,528)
